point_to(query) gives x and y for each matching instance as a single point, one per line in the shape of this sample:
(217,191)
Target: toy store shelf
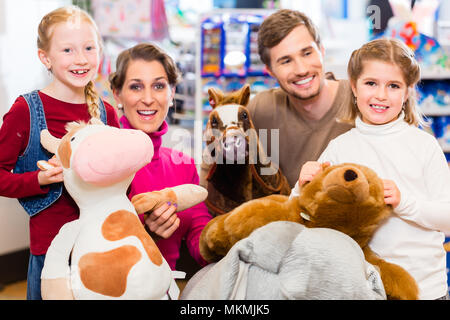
(434,110)
(435,75)
(446,148)
(183,116)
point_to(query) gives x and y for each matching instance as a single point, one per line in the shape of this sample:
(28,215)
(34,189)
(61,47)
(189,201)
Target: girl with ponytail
(69,46)
(383,75)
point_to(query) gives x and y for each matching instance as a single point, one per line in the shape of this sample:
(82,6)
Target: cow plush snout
(95,160)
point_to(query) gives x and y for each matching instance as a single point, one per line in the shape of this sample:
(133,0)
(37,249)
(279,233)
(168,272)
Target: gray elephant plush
(286,260)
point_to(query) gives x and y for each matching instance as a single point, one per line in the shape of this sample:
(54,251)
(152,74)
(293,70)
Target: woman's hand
(309,170)
(51,175)
(163,221)
(392,194)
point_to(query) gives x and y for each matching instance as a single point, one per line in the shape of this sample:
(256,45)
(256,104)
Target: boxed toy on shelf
(433,91)
(441,129)
(228,84)
(143,20)
(434,96)
(229,54)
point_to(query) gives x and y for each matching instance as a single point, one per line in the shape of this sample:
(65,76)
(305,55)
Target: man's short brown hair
(277,26)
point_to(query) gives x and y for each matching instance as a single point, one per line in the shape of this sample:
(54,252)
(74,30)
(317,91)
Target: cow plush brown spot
(122,224)
(106,272)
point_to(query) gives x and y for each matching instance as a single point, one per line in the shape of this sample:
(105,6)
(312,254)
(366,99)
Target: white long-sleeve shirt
(413,236)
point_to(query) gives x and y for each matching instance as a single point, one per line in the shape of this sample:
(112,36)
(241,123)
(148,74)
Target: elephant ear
(49,142)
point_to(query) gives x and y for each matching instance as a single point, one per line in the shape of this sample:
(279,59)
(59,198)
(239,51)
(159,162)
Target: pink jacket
(165,172)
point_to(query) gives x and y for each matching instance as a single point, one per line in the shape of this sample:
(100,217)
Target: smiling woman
(144,85)
(146,95)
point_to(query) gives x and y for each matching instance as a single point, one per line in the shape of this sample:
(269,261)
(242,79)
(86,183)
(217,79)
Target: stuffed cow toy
(348,198)
(111,254)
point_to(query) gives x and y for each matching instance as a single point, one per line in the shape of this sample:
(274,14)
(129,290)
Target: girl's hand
(163,221)
(309,170)
(54,161)
(51,175)
(392,194)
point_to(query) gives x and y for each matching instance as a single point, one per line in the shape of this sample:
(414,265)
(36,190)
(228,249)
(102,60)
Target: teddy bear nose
(350,175)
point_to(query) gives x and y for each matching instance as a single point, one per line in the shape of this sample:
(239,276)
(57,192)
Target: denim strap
(102,109)
(27,162)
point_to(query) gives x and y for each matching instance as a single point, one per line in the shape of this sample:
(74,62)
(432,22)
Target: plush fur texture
(279,261)
(232,182)
(347,197)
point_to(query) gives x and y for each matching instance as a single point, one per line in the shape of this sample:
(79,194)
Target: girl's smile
(80,72)
(379,108)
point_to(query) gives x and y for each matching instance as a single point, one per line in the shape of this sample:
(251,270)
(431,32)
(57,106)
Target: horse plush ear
(244,95)
(215,97)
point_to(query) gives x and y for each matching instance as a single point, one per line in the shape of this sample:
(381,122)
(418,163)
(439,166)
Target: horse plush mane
(112,256)
(240,170)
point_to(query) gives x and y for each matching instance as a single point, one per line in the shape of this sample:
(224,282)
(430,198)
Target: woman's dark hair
(147,52)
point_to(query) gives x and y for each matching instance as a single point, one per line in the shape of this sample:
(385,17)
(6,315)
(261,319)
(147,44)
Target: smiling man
(305,106)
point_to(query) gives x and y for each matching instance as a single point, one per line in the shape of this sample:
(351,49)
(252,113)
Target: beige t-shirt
(300,140)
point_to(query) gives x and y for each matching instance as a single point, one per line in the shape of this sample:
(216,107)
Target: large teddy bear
(348,198)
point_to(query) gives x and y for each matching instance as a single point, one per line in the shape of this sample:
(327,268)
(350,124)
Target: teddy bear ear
(306,183)
(326,165)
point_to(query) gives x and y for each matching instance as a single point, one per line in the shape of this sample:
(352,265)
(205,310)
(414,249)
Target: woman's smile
(147,115)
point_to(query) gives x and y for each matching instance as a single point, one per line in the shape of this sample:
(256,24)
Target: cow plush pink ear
(244,95)
(215,97)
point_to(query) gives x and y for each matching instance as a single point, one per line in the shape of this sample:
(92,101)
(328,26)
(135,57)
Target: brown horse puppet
(239,169)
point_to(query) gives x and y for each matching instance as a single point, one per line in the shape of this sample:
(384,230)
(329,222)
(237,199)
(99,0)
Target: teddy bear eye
(73,138)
